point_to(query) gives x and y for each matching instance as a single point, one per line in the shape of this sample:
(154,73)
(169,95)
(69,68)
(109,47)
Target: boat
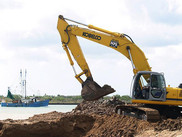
(24,102)
(32,102)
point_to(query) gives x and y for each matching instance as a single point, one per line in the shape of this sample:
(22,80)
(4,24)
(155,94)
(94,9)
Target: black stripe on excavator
(173,99)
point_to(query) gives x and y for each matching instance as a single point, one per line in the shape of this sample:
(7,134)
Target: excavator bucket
(92,91)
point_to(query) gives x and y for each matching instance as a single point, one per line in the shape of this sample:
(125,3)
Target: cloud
(168,60)
(29,39)
(175,6)
(34,22)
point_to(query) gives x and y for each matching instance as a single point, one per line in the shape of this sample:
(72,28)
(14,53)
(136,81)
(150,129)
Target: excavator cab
(149,85)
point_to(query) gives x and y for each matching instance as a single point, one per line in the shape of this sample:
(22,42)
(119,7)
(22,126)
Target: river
(16,113)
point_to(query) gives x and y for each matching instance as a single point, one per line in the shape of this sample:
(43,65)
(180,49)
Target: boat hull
(32,104)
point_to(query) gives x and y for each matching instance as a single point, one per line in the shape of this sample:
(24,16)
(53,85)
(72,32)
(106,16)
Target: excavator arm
(116,41)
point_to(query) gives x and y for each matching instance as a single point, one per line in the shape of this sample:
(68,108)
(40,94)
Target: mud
(88,119)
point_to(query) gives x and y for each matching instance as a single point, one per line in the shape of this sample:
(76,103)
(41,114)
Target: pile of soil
(66,126)
(88,119)
(100,107)
(117,126)
(169,124)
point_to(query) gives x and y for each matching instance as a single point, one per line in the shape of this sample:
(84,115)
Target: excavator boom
(119,42)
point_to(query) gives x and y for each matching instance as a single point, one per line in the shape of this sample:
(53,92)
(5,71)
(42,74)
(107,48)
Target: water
(26,112)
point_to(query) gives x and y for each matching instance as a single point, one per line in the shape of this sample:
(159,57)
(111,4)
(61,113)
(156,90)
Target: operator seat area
(149,86)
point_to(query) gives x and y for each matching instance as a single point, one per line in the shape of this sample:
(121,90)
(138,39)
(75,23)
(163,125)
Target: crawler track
(144,113)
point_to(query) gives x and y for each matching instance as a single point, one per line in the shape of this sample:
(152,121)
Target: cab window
(157,85)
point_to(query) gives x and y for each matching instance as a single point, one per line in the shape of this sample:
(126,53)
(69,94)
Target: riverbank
(64,103)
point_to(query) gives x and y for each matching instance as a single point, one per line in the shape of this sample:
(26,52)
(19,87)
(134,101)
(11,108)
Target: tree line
(65,99)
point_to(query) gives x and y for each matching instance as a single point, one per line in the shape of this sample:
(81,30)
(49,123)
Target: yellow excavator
(149,89)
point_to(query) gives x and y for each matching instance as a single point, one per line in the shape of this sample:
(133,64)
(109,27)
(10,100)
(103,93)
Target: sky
(29,40)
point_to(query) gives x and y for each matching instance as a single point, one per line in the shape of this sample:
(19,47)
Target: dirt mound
(47,116)
(107,122)
(88,119)
(117,126)
(67,126)
(78,125)
(100,107)
(169,124)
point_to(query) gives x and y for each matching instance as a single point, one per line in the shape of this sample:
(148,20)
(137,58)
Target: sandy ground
(89,119)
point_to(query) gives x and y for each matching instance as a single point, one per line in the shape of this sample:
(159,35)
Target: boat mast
(23,82)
